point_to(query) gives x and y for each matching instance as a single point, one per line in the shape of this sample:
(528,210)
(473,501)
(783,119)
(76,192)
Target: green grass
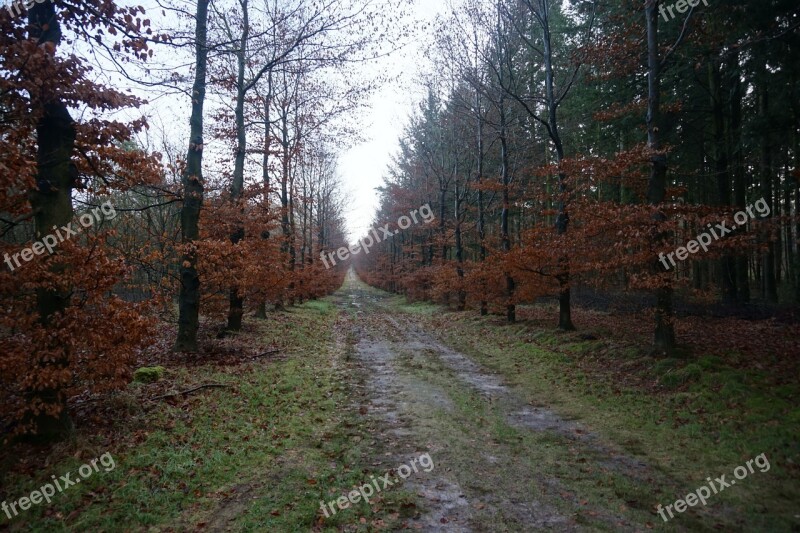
(261,454)
(257,456)
(415,308)
(703,419)
(552,466)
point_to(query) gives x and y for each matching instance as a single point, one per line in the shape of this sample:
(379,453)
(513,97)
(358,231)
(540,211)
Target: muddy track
(408,411)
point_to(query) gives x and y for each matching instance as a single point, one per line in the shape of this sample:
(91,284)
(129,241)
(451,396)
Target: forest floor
(525,428)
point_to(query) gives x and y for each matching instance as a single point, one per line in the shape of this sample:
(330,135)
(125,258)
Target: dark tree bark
(286,246)
(657,183)
(51,202)
(770,287)
(722,171)
(511,308)
(540,11)
(562,220)
(505,176)
(797,241)
(481,212)
(443,185)
(261,311)
(795,248)
(462,294)
(739,180)
(236,309)
(192,180)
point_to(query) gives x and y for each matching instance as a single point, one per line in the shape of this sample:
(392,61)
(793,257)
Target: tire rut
(400,403)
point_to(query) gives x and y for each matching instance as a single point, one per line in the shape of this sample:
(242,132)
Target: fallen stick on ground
(271,352)
(186,392)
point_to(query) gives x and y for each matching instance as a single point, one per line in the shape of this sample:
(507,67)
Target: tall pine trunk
(769,283)
(664,338)
(795,248)
(739,176)
(727,264)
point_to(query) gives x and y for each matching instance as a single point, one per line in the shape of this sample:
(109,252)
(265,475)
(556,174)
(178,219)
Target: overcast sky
(364,166)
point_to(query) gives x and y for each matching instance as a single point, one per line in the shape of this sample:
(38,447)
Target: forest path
(498,460)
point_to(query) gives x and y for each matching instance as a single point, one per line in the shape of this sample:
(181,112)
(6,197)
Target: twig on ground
(187,392)
(271,352)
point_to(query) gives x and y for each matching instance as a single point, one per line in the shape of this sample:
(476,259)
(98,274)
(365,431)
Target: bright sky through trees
(364,166)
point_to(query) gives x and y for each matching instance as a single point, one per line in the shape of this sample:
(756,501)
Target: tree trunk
(727,263)
(770,288)
(739,185)
(462,294)
(795,248)
(797,242)
(664,332)
(51,202)
(189,296)
(292,222)
(236,310)
(511,308)
(285,223)
(562,220)
(261,311)
(442,215)
(481,213)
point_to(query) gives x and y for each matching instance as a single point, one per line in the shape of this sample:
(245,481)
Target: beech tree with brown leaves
(62,333)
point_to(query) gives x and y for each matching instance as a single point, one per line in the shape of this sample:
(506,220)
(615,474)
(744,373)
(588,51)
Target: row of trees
(573,143)
(237,223)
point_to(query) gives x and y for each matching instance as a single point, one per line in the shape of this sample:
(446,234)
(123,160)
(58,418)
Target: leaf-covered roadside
(260,453)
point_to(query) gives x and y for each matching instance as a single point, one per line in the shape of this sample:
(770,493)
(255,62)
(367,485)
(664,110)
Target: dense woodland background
(566,146)
(562,146)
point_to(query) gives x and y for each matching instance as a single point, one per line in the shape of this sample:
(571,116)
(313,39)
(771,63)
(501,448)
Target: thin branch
(187,392)
(679,40)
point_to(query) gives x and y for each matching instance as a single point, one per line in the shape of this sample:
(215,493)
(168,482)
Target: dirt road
(501,464)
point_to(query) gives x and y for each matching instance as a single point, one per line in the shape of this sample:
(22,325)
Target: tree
(657,183)
(192,181)
(65,329)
